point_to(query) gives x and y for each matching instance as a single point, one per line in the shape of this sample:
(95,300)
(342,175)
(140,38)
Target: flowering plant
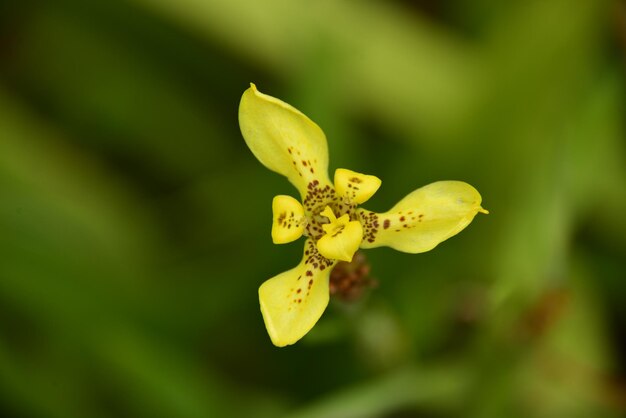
(289,143)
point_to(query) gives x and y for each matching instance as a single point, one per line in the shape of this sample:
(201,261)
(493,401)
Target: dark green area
(134,221)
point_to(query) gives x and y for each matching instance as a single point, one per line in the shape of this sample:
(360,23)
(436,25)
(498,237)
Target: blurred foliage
(134,222)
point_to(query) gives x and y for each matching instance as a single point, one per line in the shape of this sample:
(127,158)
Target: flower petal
(342,237)
(355,187)
(342,244)
(293,301)
(289,220)
(423,219)
(283,139)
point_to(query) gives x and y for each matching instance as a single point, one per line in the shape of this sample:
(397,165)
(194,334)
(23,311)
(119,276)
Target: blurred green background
(134,222)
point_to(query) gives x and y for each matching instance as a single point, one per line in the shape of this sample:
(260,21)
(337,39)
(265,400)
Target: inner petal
(289,220)
(355,187)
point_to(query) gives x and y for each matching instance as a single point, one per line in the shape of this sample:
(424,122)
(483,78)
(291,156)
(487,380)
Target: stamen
(328,212)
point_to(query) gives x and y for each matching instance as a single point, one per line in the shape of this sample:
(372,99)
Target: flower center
(323,222)
(341,238)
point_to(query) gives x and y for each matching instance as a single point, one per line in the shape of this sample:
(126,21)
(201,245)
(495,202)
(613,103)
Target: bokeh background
(134,222)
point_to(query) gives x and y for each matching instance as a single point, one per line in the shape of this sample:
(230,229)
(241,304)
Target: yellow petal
(289,220)
(422,219)
(283,139)
(342,238)
(293,301)
(355,187)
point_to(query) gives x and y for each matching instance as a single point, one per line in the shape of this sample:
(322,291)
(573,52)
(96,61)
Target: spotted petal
(355,187)
(283,139)
(289,219)
(423,219)
(293,301)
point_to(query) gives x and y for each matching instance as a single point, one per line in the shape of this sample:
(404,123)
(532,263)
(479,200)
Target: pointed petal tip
(483,210)
(251,90)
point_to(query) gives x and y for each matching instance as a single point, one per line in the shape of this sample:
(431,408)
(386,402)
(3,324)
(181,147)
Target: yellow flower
(289,143)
